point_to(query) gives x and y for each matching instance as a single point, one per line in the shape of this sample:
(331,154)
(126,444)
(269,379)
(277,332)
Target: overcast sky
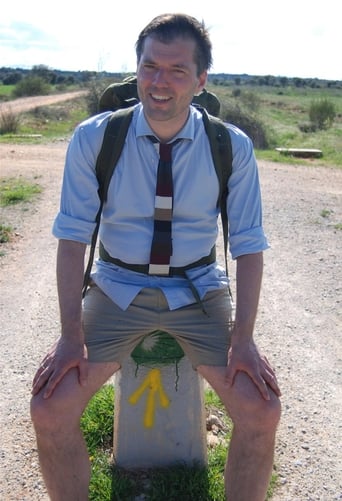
(296,38)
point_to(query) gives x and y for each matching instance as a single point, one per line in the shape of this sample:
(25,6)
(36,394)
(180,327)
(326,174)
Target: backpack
(113,143)
(124,94)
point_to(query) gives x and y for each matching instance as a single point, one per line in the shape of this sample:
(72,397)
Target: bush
(322,113)
(247,123)
(95,89)
(250,100)
(9,122)
(307,127)
(31,86)
(46,113)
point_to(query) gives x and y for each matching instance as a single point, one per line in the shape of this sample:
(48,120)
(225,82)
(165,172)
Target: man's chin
(157,115)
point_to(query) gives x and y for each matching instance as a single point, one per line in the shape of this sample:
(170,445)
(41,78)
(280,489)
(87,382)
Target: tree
(12,78)
(45,73)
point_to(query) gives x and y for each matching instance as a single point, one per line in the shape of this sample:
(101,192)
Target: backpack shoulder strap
(221,150)
(111,149)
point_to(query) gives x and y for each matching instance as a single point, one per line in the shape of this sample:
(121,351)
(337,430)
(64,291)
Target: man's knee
(47,415)
(251,410)
(267,413)
(41,412)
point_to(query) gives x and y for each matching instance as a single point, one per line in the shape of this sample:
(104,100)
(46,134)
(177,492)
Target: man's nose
(160,77)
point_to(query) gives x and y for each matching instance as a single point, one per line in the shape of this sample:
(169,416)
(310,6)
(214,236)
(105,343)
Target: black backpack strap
(111,149)
(221,150)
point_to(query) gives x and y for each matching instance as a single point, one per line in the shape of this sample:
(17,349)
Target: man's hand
(244,356)
(66,354)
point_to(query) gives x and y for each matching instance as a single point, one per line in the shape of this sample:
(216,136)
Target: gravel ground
(299,323)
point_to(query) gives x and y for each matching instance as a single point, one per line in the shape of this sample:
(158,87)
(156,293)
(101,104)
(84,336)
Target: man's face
(167,79)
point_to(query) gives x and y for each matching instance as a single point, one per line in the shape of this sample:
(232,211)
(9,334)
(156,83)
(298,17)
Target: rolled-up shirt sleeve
(80,202)
(244,207)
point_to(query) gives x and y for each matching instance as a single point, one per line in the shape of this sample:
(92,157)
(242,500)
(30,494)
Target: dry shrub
(9,121)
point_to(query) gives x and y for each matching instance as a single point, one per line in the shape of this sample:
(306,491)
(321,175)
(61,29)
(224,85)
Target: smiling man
(126,301)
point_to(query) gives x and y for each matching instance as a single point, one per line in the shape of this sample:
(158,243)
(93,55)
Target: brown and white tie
(161,248)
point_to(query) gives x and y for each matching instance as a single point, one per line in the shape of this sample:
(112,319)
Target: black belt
(143,268)
(173,272)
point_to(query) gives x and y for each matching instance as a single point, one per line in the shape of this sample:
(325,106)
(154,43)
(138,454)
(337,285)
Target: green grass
(185,483)
(5,233)
(55,121)
(283,111)
(97,420)
(6,92)
(48,123)
(15,190)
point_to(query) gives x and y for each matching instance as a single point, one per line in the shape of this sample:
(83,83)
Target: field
(282,112)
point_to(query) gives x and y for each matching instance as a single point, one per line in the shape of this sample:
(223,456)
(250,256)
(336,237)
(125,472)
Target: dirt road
(23,104)
(299,323)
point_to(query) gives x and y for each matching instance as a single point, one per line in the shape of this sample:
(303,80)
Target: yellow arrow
(152,383)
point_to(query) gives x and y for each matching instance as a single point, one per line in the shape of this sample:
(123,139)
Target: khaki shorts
(112,334)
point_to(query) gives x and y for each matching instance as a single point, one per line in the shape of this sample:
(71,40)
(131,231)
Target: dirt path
(28,103)
(299,324)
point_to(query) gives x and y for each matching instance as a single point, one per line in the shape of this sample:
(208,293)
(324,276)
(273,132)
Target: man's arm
(249,270)
(69,352)
(70,271)
(243,354)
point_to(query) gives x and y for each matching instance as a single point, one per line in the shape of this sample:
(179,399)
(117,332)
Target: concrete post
(159,415)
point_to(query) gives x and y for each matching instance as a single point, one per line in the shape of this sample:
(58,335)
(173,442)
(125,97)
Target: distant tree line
(242,110)
(12,76)
(273,81)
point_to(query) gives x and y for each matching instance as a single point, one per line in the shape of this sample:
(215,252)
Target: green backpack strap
(111,149)
(221,150)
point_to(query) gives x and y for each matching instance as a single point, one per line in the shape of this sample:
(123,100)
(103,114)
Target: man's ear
(202,80)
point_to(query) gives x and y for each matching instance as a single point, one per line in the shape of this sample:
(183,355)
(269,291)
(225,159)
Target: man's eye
(179,71)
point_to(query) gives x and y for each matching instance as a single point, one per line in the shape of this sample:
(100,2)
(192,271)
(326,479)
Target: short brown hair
(167,27)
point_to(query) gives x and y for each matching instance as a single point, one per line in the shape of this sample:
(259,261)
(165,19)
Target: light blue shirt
(127,220)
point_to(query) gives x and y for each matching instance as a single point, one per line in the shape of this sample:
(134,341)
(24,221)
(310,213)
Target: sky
(296,38)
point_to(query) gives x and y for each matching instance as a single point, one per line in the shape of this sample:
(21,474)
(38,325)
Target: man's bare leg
(250,460)
(62,451)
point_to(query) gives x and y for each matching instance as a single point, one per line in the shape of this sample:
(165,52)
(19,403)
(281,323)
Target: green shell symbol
(156,349)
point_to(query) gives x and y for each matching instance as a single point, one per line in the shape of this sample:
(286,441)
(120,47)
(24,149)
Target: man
(123,305)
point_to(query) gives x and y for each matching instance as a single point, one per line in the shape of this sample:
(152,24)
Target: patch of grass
(97,420)
(5,233)
(48,123)
(326,213)
(15,190)
(101,481)
(6,92)
(179,482)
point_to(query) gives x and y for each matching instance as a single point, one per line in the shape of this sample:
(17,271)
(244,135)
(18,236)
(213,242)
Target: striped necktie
(161,248)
